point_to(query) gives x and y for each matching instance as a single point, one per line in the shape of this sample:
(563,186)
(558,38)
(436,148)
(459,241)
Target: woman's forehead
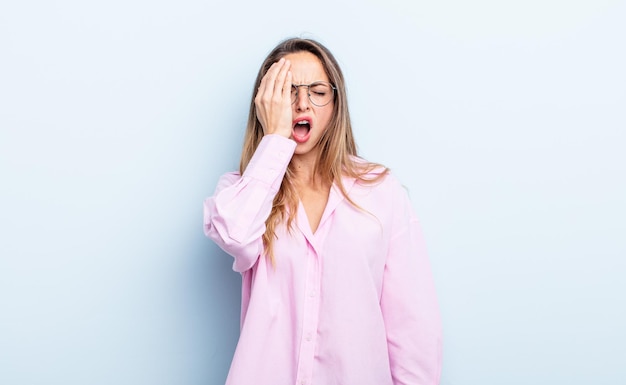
(306,68)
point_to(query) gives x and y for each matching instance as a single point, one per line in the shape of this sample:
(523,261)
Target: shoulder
(228,179)
(388,184)
(231,176)
(375,174)
(364,170)
(375,178)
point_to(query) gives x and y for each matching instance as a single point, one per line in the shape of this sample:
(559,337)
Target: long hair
(338,151)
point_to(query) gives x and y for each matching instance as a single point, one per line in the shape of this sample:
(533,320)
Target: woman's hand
(273,100)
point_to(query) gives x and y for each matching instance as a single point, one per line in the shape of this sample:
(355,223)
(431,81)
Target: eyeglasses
(320,93)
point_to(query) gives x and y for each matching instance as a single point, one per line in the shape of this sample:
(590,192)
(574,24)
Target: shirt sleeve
(234,217)
(409,303)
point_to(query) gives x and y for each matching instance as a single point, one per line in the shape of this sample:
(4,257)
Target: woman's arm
(234,217)
(409,302)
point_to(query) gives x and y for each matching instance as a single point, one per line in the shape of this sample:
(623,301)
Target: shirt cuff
(270,160)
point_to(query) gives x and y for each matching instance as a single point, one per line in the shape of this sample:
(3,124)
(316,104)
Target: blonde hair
(338,151)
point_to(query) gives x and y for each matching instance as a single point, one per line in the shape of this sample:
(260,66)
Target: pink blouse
(351,304)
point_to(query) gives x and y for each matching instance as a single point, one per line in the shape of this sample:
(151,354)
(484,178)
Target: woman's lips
(301,129)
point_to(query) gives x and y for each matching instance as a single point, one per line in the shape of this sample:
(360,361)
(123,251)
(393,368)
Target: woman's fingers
(281,77)
(268,83)
(267,87)
(273,99)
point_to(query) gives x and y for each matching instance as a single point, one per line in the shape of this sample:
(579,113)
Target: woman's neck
(303,167)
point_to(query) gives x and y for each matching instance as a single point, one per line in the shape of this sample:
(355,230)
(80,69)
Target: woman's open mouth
(301,130)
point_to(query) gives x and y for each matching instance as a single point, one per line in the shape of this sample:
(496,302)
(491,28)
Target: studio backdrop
(505,121)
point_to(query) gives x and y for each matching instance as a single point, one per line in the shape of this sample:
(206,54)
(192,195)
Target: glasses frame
(308,92)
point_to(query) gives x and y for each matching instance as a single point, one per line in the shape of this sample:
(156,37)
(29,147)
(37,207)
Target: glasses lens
(320,94)
(294,93)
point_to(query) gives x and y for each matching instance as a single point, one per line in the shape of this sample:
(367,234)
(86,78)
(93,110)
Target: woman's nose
(302,99)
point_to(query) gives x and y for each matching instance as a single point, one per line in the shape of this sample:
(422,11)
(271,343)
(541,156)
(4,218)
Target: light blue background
(505,120)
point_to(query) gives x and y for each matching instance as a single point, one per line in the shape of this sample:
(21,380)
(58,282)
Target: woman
(337,288)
